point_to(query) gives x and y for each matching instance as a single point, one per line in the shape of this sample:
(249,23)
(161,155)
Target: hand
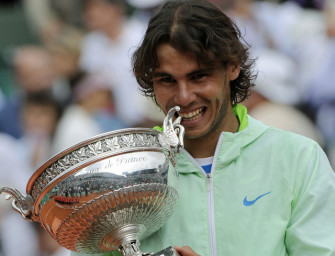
(185,251)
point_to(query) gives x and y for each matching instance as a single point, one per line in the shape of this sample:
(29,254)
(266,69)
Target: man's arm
(311,228)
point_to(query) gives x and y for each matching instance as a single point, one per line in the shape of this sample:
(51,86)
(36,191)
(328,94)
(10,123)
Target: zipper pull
(209,181)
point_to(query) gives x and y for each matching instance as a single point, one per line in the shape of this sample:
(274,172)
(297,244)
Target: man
(244,188)
(266,191)
(33,72)
(107,49)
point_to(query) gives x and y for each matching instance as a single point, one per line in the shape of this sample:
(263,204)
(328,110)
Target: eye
(198,76)
(165,80)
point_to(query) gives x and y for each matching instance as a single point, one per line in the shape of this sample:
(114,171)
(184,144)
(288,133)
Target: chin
(194,135)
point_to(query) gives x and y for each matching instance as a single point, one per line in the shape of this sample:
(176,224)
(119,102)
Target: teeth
(191,115)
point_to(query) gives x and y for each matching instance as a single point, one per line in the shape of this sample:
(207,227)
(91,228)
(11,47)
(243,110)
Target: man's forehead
(197,70)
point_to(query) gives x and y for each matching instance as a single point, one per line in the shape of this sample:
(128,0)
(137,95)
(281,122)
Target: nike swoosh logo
(249,203)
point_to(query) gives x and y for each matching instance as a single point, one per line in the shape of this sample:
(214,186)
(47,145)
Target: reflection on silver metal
(109,192)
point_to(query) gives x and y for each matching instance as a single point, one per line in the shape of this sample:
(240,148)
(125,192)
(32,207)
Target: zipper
(210,197)
(211,214)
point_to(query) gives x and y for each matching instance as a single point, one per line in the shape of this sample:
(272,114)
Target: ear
(233,71)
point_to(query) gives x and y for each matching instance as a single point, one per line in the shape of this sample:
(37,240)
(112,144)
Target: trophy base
(169,251)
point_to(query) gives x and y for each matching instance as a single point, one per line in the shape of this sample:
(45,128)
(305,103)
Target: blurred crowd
(65,76)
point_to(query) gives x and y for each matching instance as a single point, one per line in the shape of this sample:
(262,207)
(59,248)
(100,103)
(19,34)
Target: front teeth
(191,115)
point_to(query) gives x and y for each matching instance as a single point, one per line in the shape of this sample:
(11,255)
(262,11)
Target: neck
(202,147)
(205,146)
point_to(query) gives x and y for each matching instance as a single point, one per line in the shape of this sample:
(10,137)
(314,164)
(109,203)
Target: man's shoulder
(272,137)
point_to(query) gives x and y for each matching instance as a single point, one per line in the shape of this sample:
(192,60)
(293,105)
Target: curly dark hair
(201,29)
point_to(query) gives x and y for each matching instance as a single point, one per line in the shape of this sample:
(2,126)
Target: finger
(185,251)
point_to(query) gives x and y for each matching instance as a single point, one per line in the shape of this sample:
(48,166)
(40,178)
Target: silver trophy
(109,192)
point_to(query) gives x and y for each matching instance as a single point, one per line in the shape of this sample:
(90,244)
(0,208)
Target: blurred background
(65,76)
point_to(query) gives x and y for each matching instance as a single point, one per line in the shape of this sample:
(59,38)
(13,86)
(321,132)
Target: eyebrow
(159,74)
(202,70)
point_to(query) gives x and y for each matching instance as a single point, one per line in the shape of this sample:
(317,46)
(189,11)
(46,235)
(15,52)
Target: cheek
(161,95)
(215,91)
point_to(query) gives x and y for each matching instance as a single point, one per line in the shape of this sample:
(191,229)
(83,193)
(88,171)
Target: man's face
(99,14)
(202,93)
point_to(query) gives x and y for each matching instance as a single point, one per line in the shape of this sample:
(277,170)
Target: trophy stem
(132,249)
(126,239)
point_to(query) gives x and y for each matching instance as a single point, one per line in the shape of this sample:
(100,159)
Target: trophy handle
(173,132)
(180,130)
(22,204)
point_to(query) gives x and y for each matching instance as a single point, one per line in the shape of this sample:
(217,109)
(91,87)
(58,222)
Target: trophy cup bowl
(106,193)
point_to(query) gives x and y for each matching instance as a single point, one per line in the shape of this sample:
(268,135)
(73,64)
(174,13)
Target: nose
(184,94)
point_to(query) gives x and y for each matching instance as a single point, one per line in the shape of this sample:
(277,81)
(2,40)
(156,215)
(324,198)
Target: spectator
(107,49)
(19,158)
(264,25)
(33,72)
(39,116)
(89,114)
(318,76)
(270,99)
(14,230)
(65,52)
